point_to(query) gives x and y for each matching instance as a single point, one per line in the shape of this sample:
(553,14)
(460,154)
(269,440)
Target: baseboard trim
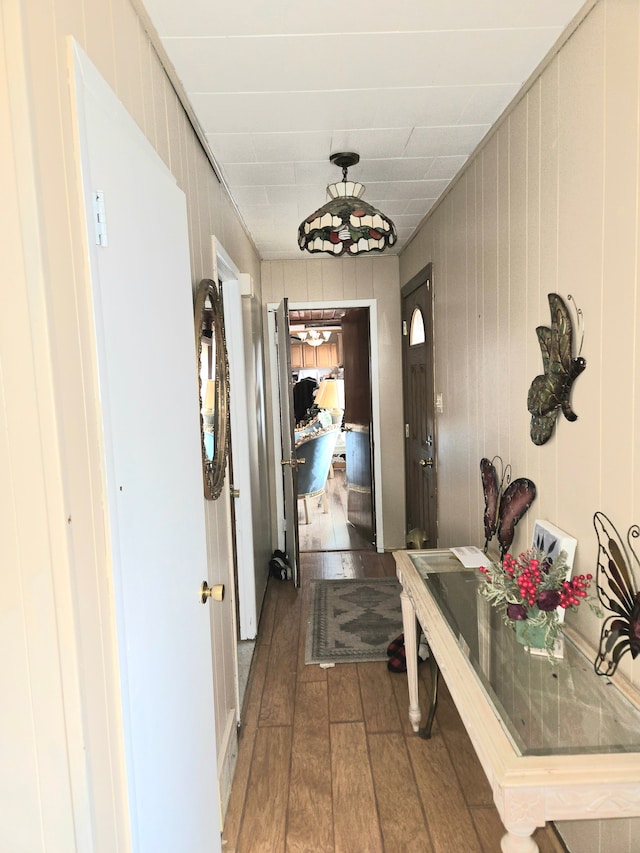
(227,763)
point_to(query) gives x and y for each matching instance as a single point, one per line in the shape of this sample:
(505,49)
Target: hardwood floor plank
(310,812)
(351,564)
(381,713)
(332,566)
(311,566)
(401,815)
(235,808)
(448,819)
(345,704)
(262,829)
(355,816)
(401,691)
(268,614)
(280,683)
(473,782)
(330,531)
(255,686)
(489,828)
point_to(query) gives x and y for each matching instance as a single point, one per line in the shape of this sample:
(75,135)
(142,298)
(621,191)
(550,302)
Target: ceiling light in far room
(346,224)
(313,337)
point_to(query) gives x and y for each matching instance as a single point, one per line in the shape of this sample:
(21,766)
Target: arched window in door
(416,329)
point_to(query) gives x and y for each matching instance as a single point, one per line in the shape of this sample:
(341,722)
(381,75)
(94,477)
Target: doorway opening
(327,522)
(347,356)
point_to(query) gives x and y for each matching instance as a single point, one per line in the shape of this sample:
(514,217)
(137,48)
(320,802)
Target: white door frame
(234,287)
(372,305)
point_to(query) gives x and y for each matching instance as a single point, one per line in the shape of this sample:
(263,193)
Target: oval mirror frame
(214,433)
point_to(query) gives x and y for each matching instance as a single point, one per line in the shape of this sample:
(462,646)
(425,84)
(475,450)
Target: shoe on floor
(279,569)
(394,645)
(281,555)
(398,660)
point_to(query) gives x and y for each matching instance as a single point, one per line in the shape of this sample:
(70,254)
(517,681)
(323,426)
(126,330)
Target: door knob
(293,462)
(426,463)
(216,592)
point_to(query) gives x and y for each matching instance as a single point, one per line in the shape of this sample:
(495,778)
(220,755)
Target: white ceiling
(411,86)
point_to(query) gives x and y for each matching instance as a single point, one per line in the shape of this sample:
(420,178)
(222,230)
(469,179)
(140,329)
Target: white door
(240,470)
(141,289)
(287,425)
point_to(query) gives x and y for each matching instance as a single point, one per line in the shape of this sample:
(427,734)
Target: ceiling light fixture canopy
(346,223)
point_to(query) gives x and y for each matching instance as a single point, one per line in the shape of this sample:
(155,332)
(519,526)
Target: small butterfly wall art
(550,391)
(618,593)
(505,502)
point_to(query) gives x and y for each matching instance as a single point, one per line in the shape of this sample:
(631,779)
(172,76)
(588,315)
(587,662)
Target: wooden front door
(357,422)
(420,439)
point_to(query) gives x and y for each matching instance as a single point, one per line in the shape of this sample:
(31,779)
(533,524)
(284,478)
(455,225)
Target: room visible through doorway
(333,521)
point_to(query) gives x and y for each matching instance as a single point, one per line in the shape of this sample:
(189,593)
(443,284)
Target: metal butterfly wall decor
(550,391)
(618,594)
(505,502)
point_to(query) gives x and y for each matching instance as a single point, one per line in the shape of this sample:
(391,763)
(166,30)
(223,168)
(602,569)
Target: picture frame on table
(552,540)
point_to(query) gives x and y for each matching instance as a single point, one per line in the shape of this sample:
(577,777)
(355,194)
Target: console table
(555,742)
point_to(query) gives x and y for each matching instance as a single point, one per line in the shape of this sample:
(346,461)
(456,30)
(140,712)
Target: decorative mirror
(213,384)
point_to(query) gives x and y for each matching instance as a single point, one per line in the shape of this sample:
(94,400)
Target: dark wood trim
(424,274)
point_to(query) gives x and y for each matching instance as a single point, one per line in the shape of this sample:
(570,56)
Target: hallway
(327,760)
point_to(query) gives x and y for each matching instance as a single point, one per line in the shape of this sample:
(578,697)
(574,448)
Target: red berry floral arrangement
(533,589)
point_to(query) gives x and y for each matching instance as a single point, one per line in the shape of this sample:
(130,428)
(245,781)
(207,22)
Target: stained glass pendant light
(346,224)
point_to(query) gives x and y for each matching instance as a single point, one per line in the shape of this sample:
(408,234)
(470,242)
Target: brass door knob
(216,592)
(426,463)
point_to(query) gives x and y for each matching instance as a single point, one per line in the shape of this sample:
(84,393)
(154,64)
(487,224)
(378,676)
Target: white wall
(324,280)
(549,204)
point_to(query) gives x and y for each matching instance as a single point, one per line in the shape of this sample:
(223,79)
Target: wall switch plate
(439,404)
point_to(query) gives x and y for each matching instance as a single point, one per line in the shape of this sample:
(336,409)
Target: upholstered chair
(317,452)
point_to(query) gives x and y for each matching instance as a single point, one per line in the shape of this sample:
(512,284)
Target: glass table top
(545,708)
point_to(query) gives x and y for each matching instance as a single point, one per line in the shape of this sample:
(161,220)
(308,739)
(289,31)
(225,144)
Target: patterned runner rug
(352,620)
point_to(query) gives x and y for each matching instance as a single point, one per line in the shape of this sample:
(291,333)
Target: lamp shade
(210,395)
(330,394)
(346,223)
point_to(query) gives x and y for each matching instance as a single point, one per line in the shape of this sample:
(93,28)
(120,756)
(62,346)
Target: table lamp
(331,396)
(209,405)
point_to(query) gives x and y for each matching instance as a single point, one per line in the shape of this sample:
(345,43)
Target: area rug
(351,621)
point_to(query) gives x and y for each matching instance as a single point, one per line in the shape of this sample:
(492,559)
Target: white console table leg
(411,650)
(521,843)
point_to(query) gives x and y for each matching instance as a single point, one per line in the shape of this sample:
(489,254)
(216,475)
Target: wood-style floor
(327,759)
(330,531)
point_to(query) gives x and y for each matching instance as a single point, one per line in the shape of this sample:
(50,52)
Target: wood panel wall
(75,591)
(549,203)
(316,280)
